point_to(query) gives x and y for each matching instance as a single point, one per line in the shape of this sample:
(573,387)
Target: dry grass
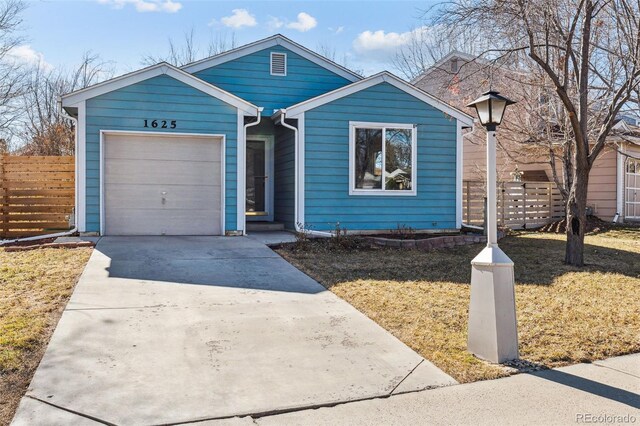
(34,288)
(565,315)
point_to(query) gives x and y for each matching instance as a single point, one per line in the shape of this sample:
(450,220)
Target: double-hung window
(382,159)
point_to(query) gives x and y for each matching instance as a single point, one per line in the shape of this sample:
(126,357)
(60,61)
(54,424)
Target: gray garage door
(159,185)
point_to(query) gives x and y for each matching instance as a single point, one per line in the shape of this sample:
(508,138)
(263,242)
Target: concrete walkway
(605,392)
(164,330)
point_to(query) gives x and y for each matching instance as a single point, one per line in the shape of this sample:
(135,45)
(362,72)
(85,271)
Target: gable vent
(278,63)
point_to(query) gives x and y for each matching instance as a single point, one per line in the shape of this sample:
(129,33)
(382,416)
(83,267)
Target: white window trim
(271,64)
(627,187)
(414,159)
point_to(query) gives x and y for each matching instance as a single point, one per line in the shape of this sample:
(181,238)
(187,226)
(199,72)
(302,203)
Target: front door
(259,203)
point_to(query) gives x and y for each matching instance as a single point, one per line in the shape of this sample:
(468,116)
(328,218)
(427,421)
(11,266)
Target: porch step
(264,226)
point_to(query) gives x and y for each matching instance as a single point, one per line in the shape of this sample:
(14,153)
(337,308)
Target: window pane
(398,159)
(368,150)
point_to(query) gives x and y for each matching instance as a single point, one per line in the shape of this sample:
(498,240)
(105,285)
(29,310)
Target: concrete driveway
(164,330)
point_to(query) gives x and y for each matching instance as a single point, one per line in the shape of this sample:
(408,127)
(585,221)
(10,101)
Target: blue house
(268,132)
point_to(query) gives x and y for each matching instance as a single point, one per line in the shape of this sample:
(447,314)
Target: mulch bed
(433,242)
(23,247)
(30,243)
(594,224)
(414,236)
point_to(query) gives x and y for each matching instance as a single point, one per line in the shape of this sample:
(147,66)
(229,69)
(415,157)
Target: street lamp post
(493,333)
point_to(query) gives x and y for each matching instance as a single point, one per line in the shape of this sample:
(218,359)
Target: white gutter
(244,158)
(297,223)
(75,228)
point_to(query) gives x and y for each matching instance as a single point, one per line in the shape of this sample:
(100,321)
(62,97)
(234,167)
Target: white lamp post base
(493,333)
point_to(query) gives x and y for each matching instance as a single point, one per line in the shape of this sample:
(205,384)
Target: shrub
(403,232)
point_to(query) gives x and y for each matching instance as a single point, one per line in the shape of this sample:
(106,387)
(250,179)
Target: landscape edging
(447,241)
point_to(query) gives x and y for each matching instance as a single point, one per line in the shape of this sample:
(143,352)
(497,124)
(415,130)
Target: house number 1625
(163,124)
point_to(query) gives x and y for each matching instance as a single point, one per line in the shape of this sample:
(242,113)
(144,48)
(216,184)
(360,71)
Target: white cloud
(26,55)
(168,6)
(304,23)
(240,18)
(376,50)
(274,23)
(336,30)
(380,41)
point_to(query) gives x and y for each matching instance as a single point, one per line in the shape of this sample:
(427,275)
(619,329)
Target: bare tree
(587,54)
(188,49)
(428,44)
(12,71)
(45,129)
(329,51)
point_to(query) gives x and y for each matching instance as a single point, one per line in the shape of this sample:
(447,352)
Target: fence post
(502,191)
(468,190)
(524,205)
(550,189)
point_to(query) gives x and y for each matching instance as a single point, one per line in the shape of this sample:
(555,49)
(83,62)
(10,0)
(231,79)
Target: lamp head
(490,108)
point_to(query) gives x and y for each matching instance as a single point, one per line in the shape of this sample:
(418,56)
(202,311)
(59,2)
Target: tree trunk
(576,211)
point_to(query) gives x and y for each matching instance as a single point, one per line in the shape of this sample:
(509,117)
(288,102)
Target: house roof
(275,40)
(622,126)
(468,58)
(383,77)
(439,64)
(625,132)
(163,68)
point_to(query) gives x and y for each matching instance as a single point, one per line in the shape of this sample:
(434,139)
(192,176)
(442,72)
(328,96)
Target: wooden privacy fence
(37,195)
(521,205)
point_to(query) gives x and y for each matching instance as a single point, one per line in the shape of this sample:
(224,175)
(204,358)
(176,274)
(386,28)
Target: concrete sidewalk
(578,394)
(605,392)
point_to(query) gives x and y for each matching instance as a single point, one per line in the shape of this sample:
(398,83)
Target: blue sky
(123,31)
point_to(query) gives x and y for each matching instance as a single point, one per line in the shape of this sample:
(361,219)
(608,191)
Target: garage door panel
(161,148)
(176,197)
(127,221)
(161,171)
(139,171)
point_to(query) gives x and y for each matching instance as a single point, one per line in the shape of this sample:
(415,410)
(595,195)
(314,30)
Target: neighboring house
(626,163)
(270,131)
(458,78)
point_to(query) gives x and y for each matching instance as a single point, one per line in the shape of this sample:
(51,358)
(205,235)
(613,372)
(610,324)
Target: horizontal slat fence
(37,194)
(521,205)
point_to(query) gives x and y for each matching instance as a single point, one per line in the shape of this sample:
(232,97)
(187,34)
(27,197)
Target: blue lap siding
(284,177)
(249,77)
(162,98)
(327,199)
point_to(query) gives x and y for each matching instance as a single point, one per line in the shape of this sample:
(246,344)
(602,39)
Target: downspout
(75,228)
(244,158)
(297,223)
(463,224)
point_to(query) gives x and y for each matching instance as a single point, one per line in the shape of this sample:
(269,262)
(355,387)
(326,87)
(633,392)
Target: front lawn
(34,288)
(565,315)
